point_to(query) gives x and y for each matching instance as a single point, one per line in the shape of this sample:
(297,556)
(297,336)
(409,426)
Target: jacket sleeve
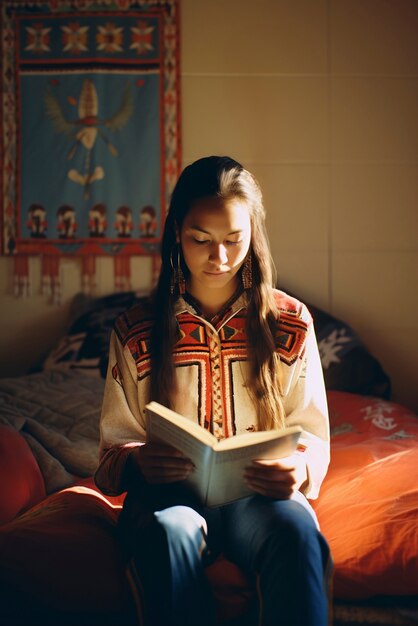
(305,405)
(122,425)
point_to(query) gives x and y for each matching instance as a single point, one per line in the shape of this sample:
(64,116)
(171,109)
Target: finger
(165,475)
(270,486)
(150,456)
(157,449)
(274,463)
(271,481)
(170,464)
(154,479)
(152,461)
(279,491)
(272,474)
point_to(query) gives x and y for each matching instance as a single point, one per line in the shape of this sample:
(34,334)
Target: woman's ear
(177,231)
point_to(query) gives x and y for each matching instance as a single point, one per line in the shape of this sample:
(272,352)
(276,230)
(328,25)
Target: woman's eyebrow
(202,230)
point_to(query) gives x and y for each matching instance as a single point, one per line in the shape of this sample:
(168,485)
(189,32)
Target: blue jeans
(169,540)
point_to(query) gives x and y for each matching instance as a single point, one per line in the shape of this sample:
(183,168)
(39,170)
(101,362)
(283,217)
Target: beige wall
(319,99)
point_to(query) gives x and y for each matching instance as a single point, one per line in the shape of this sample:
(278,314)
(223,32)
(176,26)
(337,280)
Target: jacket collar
(184,305)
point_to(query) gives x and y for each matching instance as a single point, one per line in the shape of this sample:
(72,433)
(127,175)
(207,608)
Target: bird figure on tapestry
(87,127)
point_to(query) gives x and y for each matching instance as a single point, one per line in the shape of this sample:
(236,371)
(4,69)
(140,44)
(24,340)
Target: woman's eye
(200,241)
(233,243)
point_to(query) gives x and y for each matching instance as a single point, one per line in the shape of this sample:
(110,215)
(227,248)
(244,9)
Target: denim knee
(296,531)
(183,526)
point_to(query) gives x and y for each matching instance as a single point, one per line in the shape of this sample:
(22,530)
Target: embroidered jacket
(211,370)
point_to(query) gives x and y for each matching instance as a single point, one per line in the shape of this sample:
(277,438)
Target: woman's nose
(218,254)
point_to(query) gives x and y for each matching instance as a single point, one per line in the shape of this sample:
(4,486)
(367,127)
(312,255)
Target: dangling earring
(247,272)
(177,280)
(172,275)
(180,276)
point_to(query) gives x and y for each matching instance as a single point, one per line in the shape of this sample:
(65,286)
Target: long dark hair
(224,178)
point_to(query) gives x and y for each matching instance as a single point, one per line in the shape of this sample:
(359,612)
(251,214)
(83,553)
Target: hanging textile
(90,141)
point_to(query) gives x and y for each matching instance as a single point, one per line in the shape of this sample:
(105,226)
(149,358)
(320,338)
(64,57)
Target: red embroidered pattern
(214,352)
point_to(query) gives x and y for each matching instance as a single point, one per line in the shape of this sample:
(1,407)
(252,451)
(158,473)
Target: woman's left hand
(277,478)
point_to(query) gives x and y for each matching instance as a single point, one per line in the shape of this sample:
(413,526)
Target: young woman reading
(218,344)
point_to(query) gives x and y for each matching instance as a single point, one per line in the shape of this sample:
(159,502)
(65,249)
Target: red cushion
(21,481)
(368,505)
(64,553)
(231,589)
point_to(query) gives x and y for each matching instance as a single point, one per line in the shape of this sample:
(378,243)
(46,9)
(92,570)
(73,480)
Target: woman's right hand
(160,463)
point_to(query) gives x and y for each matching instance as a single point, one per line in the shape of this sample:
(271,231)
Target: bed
(59,559)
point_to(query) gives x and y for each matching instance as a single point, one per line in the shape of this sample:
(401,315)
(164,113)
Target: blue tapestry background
(130,166)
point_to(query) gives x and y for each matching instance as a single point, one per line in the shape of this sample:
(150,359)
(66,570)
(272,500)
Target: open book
(219,465)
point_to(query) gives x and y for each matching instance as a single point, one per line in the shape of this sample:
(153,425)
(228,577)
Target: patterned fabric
(90,130)
(215,351)
(211,372)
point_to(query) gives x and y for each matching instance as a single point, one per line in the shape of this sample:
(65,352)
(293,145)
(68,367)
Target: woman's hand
(160,463)
(278,478)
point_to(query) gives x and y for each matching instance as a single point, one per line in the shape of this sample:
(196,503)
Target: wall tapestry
(90,141)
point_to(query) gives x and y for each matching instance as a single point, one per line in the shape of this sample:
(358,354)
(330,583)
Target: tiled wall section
(319,99)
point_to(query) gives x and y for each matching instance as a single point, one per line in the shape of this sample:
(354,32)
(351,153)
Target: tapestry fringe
(51,284)
(21,283)
(50,278)
(122,273)
(88,272)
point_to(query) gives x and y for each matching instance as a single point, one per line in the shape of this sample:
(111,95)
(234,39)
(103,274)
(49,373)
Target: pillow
(368,505)
(346,362)
(21,482)
(63,554)
(85,347)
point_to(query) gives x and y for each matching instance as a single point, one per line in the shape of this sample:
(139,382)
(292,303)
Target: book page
(157,411)
(227,482)
(251,439)
(160,429)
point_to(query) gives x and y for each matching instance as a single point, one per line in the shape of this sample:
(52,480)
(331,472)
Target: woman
(219,345)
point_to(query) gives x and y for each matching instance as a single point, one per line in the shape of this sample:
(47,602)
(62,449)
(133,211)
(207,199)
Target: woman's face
(215,238)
